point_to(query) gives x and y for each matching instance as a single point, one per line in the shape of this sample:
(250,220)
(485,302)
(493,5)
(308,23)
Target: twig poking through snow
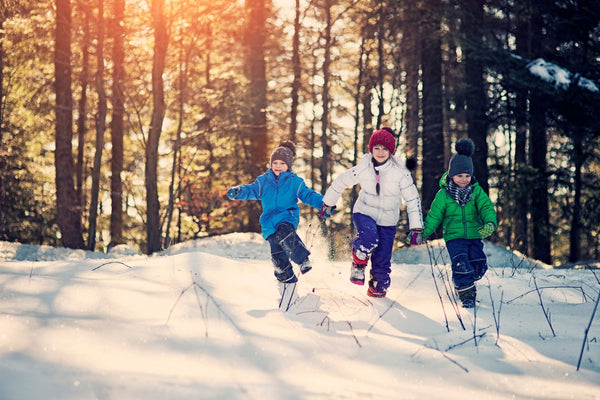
(353,335)
(448,358)
(475,326)
(195,285)
(451,296)
(546,312)
(496,317)
(537,289)
(587,329)
(474,337)
(381,315)
(110,262)
(429,250)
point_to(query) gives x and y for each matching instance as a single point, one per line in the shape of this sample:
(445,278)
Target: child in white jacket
(385,182)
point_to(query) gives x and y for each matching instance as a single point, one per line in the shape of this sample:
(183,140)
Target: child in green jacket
(467,215)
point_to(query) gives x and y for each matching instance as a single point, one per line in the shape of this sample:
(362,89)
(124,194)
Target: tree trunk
(475,92)
(433,134)
(2,19)
(116,123)
(380,66)
(68,210)
(82,110)
(575,234)
(183,77)
(538,145)
(296,67)
(100,128)
(362,58)
(411,56)
(540,214)
(325,117)
(158,113)
(520,204)
(257,97)
(367,99)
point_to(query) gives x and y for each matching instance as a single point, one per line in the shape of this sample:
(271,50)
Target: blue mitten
(234,192)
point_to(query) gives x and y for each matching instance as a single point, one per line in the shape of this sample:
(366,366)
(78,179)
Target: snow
(558,76)
(200,320)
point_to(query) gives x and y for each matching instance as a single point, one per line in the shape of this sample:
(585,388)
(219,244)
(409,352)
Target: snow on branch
(558,76)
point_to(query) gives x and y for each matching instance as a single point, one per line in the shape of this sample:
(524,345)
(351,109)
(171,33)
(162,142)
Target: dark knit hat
(285,152)
(383,136)
(461,162)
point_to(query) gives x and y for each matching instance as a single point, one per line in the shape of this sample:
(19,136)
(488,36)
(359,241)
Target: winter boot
(357,274)
(372,291)
(357,271)
(305,266)
(467,295)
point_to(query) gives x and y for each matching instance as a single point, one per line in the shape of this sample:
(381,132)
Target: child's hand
(234,192)
(415,237)
(486,230)
(326,211)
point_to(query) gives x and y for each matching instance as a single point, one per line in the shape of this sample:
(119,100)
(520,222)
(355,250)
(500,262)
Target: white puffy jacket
(396,185)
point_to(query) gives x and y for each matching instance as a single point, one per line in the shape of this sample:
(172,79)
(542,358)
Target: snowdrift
(201,321)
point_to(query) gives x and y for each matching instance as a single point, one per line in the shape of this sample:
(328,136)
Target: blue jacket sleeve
(251,191)
(309,196)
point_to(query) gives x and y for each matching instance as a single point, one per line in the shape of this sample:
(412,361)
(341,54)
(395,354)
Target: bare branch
(587,329)
(546,312)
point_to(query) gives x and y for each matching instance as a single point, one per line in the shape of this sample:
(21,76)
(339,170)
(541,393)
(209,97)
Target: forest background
(125,121)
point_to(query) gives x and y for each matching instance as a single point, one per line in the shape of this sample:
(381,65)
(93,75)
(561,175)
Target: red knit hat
(385,137)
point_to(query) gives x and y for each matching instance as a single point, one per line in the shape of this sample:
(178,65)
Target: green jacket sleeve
(485,207)
(435,216)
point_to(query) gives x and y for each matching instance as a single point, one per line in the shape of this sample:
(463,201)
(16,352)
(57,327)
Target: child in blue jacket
(279,190)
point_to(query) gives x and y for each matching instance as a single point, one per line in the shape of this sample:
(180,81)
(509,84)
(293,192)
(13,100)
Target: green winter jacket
(459,222)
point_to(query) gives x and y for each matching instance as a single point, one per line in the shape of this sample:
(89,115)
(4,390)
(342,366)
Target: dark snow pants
(469,262)
(375,241)
(285,245)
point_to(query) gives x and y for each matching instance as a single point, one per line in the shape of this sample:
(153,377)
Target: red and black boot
(357,271)
(372,291)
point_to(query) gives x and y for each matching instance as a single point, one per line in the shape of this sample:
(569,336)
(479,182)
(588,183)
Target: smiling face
(462,180)
(278,167)
(381,153)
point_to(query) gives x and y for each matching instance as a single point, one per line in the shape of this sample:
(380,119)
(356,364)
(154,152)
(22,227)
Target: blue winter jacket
(279,198)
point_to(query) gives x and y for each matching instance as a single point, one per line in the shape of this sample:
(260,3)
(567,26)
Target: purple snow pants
(377,241)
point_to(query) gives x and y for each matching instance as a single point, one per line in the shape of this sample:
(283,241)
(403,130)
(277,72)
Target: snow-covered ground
(200,321)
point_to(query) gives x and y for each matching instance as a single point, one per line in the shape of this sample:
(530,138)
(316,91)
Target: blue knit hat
(461,162)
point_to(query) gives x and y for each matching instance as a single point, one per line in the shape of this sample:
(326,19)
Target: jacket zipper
(464,220)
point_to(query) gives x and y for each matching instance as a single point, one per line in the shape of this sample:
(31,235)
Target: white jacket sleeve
(410,194)
(347,179)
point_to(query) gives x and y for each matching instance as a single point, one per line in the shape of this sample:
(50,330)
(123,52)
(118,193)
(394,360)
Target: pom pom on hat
(385,137)
(411,163)
(285,152)
(461,162)
(465,147)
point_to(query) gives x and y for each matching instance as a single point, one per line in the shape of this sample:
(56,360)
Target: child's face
(279,166)
(381,153)
(462,180)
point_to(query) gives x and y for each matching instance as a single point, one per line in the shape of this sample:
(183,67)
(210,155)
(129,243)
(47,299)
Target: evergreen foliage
(434,71)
